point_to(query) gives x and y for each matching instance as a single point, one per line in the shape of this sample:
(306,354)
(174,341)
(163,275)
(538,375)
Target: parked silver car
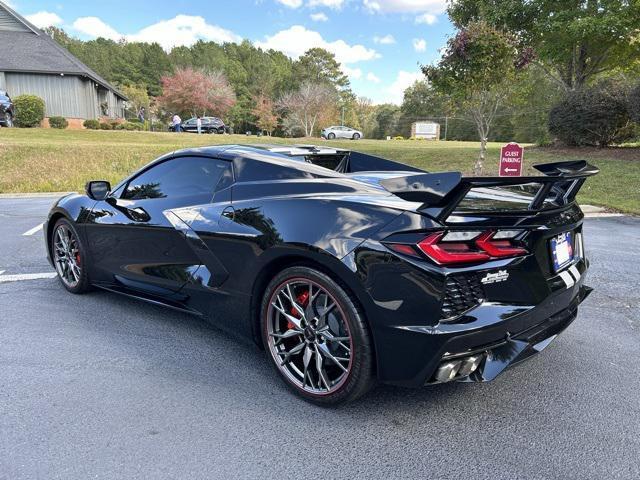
(340,132)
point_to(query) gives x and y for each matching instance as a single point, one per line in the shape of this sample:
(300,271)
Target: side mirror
(97,189)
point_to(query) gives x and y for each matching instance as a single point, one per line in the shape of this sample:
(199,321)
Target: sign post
(511,157)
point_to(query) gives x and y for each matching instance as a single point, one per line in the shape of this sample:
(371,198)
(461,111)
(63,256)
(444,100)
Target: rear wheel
(316,337)
(69,257)
(331,136)
(356,136)
(9,120)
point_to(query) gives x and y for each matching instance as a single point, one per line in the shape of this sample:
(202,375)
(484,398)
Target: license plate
(562,250)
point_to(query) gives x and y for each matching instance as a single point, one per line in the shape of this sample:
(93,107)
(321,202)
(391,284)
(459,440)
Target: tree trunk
(479,166)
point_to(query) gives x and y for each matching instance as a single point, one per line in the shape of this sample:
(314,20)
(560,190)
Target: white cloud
(180,30)
(419,44)
(44,19)
(94,27)
(426,18)
(335,4)
(296,40)
(395,91)
(372,77)
(290,3)
(319,17)
(406,6)
(354,73)
(386,40)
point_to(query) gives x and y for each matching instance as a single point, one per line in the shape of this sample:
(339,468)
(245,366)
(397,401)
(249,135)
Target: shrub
(29,110)
(130,126)
(105,126)
(58,122)
(596,116)
(91,124)
(634,104)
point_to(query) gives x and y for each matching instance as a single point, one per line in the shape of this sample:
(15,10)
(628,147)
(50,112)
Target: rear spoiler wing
(440,193)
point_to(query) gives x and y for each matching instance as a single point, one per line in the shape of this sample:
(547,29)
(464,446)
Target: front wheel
(316,337)
(69,257)
(331,136)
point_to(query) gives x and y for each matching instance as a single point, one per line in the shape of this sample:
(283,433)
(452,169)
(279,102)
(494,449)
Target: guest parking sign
(511,157)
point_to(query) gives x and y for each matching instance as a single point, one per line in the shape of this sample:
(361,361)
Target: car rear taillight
(450,252)
(459,247)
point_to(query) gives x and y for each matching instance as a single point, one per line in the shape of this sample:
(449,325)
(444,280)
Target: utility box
(425,130)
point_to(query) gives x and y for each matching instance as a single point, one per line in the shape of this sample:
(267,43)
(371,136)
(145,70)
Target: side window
(179,177)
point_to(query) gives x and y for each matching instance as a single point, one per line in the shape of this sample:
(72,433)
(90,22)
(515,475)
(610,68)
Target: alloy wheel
(66,255)
(308,336)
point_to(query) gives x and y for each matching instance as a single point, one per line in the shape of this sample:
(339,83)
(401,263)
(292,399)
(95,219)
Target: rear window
(506,198)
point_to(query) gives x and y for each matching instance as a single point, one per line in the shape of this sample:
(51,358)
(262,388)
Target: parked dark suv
(209,125)
(6,110)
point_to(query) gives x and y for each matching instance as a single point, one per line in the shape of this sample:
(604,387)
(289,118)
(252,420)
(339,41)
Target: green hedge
(130,126)
(106,126)
(595,116)
(91,124)
(29,111)
(58,122)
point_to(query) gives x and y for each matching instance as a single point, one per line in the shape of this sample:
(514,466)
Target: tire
(221,131)
(331,136)
(356,136)
(336,344)
(75,280)
(9,121)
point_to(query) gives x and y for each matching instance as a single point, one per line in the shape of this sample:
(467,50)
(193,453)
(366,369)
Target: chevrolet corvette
(346,268)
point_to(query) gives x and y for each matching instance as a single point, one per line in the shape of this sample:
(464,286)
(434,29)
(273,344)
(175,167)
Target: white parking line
(26,276)
(35,229)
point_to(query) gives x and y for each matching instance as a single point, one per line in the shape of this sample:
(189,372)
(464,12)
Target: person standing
(199,124)
(176,121)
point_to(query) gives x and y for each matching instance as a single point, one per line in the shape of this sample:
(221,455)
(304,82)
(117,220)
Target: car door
(189,125)
(344,132)
(132,237)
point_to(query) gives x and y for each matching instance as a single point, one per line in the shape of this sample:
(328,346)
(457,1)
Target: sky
(379,43)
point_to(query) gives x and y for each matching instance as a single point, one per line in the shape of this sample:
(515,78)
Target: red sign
(511,157)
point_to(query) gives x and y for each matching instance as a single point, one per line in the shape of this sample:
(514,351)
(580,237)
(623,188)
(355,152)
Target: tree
(366,114)
(575,40)
(195,92)
(387,116)
(476,70)
(266,119)
(138,98)
(318,65)
(304,106)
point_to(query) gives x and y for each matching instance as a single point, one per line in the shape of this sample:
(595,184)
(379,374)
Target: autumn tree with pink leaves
(191,92)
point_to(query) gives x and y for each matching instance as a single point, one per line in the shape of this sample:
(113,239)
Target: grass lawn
(47,160)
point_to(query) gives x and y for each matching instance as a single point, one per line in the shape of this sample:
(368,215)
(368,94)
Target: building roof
(25,48)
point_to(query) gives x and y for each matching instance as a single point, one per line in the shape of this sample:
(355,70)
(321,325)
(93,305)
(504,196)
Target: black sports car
(347,268)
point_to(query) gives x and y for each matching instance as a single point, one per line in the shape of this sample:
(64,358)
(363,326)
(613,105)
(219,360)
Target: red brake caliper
(302,299)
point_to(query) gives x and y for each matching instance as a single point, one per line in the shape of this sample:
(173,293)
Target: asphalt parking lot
(101,386)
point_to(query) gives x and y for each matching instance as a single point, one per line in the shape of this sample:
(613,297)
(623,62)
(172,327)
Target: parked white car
(340,132)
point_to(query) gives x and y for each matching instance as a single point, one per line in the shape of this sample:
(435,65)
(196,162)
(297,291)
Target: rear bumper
(503,335)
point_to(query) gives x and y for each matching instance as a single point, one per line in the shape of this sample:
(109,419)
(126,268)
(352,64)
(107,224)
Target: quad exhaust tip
(454,369)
